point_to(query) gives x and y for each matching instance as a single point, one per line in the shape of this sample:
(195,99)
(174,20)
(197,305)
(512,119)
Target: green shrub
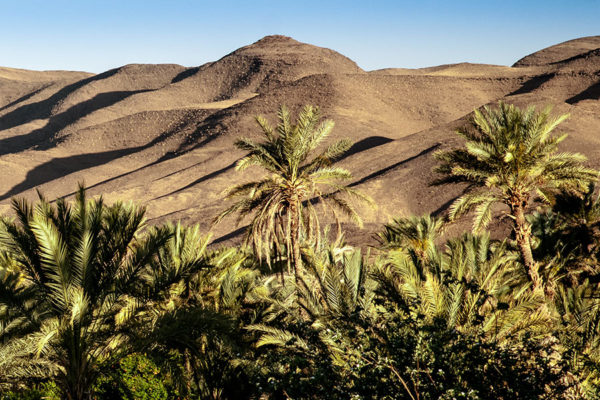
(135,377)
(46,391)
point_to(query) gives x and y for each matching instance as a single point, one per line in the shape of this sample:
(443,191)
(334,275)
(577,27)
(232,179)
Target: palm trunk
(77,378)
(295,237)
(523,238)
(78,391)
(195,376)
(188,373)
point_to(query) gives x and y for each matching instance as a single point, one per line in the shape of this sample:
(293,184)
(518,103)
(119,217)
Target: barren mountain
(162,135)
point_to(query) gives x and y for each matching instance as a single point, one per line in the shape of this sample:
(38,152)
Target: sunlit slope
(162,135)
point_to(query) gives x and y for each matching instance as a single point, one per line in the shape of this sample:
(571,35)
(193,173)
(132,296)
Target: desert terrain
(162,135)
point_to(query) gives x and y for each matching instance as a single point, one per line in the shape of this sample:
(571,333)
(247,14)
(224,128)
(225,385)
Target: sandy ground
(162,135)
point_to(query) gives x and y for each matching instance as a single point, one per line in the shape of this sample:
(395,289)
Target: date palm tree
(74,290)
(282,202)
(510,156)
(335,291)
(468,287)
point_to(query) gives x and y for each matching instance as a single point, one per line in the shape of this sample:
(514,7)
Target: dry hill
(162,135)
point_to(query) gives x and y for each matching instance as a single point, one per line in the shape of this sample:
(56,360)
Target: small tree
(510,156)
(415,234)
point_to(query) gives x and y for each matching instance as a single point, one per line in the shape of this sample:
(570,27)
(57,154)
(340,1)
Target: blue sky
(95,35)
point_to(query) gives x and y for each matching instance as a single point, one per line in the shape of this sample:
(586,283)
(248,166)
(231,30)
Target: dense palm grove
(95,304)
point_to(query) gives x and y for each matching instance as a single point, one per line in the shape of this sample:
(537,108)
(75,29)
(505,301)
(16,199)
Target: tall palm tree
(282,202)
(510,155)
(78,289)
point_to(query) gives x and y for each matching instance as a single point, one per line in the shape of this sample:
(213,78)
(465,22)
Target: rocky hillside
(162,135)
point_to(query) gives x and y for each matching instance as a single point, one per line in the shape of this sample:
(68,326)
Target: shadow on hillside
(395,165)
(591,93)
(185,74)
(366,144)
(24,97)
(84,108)
(42,138)
(43,109)
(199,180)
(208,130)
(587,54)
(166,157)
(59,167)
(362,145)
(533,84)
(231,235)
(442,209)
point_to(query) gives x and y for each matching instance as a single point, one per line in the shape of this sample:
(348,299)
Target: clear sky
(93,35)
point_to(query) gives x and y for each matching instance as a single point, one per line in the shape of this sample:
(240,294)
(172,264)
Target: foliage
(282,202)
(192,335)
(357,330)
(76,292)
(44,390)
(307,330)
(428,361)
(509,155)
(95,305)
(134,377)
(476,283)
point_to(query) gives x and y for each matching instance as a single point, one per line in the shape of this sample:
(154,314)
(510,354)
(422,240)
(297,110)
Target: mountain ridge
(163,134)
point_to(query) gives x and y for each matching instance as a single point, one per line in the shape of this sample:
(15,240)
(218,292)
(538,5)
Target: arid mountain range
(162,135)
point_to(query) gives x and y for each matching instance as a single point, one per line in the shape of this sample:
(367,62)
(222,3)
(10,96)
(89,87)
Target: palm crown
(283,201)
(416,234)
(511,154)
(76,290)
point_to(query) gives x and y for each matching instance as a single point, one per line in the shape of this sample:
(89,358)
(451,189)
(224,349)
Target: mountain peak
(276,40)
(282,49)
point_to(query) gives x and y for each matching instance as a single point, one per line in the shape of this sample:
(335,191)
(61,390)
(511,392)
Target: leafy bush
(46,391)
(135,377)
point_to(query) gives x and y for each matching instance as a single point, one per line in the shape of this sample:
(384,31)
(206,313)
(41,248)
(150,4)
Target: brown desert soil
(162,135)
